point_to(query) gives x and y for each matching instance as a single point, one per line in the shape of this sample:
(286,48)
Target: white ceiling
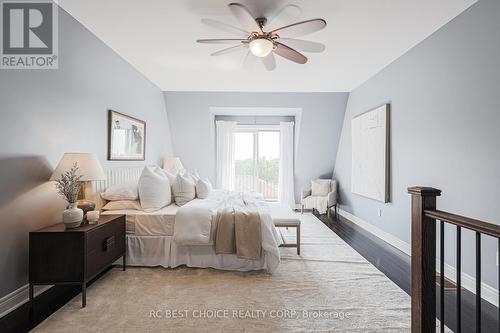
(362,36)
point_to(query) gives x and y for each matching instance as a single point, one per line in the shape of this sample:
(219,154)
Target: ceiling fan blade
(269,62)
(304,45)
(221,41)
(244,16)
(285,15)
(229,50)
(226,27)
(289,53)
(250,60)
(300,28)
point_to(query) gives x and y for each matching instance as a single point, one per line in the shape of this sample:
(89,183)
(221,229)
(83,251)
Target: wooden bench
(284,217)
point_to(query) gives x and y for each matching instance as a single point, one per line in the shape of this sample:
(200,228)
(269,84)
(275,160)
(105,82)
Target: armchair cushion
(320,187)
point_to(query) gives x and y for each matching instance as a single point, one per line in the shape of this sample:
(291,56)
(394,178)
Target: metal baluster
(478,282)
(459,279)
(441,245)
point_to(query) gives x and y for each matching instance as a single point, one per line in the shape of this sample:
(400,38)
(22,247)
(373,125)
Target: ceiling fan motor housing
(261,21)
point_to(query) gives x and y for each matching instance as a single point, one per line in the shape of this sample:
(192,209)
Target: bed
(154,240)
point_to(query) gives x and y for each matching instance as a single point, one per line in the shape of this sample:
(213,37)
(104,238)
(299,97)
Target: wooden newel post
(423,260)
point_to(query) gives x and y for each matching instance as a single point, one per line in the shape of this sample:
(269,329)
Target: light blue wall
(445,98)
(322,116)
(46,113)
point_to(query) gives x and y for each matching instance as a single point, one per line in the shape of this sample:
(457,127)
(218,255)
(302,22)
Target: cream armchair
(322,196)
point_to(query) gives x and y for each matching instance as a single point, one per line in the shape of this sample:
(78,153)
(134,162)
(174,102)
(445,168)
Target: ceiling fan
(264,44)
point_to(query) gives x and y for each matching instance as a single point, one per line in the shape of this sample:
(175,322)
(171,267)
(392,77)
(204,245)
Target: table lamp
(89,168)
(172,163)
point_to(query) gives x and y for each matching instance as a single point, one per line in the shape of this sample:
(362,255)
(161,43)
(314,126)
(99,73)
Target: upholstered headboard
(115,176)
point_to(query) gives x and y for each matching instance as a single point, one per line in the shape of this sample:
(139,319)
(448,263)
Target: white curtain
(286,189)
(225,154)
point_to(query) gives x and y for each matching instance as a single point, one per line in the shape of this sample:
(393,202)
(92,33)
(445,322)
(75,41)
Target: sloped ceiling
(362,37)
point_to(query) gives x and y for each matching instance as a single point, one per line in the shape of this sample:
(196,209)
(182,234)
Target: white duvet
(195,222)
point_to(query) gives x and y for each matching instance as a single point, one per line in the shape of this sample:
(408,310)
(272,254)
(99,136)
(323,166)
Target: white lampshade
(261,47)
(172,163)
(88,166)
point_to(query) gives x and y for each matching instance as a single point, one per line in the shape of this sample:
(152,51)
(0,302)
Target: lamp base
(86,205)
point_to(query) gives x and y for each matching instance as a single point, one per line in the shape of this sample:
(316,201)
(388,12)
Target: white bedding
(188,234)
(194,220)
(195,228)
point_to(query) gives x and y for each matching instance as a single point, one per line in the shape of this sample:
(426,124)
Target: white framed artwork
(126,137)
(370,154)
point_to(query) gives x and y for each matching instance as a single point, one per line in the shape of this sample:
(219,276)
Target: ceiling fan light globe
(261,47)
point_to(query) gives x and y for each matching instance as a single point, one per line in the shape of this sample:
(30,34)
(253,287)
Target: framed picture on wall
(126,137)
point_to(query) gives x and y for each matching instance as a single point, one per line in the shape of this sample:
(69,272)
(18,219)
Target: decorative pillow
(154,189)
(123,205)
(171,175)
(184,190)
(195,175)
(320,187)
(203,188)
(121,192)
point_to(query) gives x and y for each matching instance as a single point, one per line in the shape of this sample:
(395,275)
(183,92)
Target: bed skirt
(151,251)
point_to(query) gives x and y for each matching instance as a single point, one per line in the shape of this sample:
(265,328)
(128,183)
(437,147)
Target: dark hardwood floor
(396,266)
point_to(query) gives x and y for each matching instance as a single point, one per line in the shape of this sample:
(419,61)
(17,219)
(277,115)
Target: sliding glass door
(257,154)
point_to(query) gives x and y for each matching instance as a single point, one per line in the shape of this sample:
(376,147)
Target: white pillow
(203,188)
(184,190)
(154,189)
(171,175)
(121,192)
(320,187)
(123,205)
(195,175)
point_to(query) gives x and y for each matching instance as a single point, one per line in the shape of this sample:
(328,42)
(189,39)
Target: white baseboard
(18,297)
(488,293)
(385,236)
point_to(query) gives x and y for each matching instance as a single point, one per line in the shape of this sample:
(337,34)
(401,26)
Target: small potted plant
(68,186)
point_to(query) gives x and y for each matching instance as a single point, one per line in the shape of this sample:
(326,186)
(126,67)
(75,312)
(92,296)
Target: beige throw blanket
(238,231)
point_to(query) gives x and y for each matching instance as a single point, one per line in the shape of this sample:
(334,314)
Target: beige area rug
(329,288)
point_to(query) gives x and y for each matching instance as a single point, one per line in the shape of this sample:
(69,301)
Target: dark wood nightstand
(74,256)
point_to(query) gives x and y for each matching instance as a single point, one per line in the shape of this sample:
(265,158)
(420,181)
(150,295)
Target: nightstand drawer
(105,244)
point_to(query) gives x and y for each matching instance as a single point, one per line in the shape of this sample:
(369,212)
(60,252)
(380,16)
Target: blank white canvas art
(370,154)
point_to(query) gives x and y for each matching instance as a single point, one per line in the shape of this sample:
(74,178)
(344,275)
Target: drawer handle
(109,243)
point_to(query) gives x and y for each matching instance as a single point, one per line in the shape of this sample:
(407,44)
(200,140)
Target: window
(257,154)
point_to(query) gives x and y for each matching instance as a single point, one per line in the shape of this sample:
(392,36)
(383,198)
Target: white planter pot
(73,216)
